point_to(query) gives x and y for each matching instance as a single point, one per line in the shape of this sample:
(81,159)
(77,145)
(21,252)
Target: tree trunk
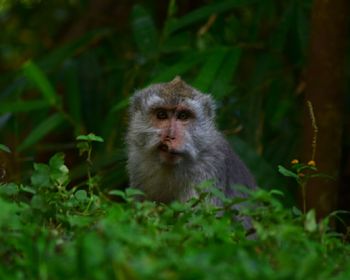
(325,89)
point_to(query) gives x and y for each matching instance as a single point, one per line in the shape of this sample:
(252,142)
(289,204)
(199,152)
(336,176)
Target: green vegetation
(55,88)
(49,231)
(68,68)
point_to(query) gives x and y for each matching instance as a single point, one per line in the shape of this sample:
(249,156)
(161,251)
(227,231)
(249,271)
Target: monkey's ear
(209,106)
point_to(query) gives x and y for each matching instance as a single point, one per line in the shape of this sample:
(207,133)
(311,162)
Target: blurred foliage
(50,231)
(67,70)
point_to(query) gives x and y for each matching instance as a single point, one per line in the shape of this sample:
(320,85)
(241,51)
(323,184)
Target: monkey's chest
(167,187)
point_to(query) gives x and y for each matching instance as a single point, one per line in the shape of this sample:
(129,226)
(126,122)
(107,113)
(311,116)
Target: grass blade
(209,70)
(34,73)
(223,83)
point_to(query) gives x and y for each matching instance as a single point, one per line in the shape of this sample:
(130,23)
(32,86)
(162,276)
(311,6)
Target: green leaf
(210,68)
(27,189)
(117,193)
(9,189)
(90,137)
(34,73)
(310,221)
(83,147)
(9,218)
(144,31)
(120,106)
(130,192)
(296,211)
(39,203)
(79,221)
(41,176)
(5,148)
(45,127)
(286,172)
(22,106)
(59,172)
(276,192)
(226,73)
(81,195)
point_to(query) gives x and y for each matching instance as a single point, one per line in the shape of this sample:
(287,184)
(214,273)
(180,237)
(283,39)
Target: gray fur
(208,156)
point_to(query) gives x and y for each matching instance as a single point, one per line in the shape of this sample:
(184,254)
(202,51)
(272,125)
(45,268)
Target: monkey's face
(172,124)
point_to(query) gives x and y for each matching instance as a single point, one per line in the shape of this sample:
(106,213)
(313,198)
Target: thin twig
(314,126)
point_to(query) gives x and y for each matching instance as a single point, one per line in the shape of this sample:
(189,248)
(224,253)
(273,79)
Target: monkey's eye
(161,115)
(183,115)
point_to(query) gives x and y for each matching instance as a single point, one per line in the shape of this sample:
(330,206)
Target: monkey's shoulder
(232,168)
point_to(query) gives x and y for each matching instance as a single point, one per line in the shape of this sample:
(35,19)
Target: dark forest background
(68,68)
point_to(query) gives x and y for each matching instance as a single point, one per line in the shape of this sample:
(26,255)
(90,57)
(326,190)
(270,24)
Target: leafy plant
(145,240)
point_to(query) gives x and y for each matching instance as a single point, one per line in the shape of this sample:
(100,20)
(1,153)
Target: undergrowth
(52,230)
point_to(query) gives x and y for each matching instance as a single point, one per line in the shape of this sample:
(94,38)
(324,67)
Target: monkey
(174,145)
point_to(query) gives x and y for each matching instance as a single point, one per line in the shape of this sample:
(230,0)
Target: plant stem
(303,194)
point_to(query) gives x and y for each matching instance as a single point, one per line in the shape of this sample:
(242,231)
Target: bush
(52,231)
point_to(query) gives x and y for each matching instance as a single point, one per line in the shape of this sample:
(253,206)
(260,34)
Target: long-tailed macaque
(174,145)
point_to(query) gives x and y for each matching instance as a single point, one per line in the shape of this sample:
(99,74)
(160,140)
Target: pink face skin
(173,123)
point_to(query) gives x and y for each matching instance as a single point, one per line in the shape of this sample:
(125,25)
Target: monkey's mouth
(167,149)
(169,155)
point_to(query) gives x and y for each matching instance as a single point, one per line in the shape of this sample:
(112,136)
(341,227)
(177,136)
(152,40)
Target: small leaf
(296,211)
(90,137)
(9,189)
(79,221)
(59,172)
(81,195)
(38,203)
(27,189)
(41,176)
(5,148)
(130,192)
(83,147)
(276,192)
(310,221)
(117,193)
(286,172)
(178,206)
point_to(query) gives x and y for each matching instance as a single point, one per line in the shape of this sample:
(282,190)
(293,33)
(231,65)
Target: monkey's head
(171,122)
